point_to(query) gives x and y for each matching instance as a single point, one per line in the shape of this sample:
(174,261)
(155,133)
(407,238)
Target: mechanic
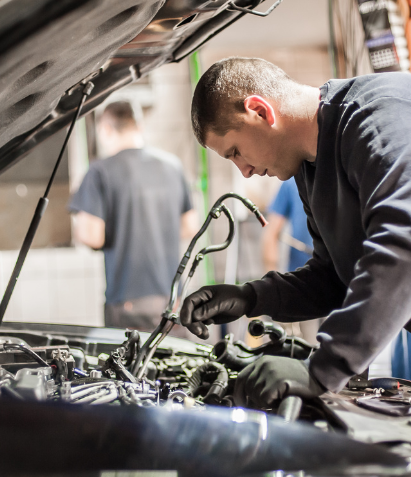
(135,205)
(348,145)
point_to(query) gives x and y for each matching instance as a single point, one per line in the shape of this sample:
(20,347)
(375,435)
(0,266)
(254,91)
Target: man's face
(259,146)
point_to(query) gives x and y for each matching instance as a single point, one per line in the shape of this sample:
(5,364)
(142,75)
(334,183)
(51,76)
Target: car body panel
(50,50)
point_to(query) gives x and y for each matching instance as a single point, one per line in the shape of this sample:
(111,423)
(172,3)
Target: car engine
(77,372)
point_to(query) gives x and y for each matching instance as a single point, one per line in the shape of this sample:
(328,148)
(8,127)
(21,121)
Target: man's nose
(246,170)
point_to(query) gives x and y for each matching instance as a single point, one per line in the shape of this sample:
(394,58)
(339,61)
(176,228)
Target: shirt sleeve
(90,197)
(376,154)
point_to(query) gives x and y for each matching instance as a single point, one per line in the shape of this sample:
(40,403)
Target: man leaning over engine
(348,145)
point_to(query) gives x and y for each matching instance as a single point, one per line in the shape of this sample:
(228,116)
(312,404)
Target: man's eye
(235,153)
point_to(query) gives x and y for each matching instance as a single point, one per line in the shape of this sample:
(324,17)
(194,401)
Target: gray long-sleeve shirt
(357,196)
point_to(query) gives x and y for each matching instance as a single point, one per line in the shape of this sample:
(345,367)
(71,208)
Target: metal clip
(253,12)
(376,393)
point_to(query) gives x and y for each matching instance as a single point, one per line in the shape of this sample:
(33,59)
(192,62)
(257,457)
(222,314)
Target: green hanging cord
(332,48)
(203,173)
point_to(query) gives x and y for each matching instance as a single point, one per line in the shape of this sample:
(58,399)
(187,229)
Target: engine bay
(45,366)
(67,365)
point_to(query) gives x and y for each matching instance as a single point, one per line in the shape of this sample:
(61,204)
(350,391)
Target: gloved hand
(216,304)
(275,377)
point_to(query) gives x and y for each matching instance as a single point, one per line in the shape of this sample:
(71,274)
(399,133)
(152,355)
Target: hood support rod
(39,212)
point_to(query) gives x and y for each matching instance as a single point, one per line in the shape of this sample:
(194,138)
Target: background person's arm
(189,224)
(89,209)
(89,230)
(270,241)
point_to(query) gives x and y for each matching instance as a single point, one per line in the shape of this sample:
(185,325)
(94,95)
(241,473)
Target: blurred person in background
(285,212)
(401,355)
(135,206)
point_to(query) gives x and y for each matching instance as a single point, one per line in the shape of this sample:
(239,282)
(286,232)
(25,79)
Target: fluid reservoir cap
(102,358)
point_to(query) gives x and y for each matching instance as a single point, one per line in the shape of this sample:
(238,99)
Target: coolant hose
(219,385)
(234,355)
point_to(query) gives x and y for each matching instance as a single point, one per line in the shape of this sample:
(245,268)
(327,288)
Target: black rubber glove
(274,377)
(216,304)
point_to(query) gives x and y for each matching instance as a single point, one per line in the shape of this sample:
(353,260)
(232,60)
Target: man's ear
(259,105)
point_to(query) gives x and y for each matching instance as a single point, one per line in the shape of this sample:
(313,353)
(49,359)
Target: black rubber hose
(132,346)
(219,385)
(218,206)
(220,442)
(259,328)
(233,356)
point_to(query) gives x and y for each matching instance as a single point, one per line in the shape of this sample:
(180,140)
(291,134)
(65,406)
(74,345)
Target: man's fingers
(267,397)
(240,396)
(186,311)
(250,386)
(191,303)
(206,310)
(199,329)
(200,306)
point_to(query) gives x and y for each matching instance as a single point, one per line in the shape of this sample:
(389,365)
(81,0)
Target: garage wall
(62,285)
(22,185)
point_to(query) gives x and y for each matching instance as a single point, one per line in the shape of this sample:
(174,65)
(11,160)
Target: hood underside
(51,49)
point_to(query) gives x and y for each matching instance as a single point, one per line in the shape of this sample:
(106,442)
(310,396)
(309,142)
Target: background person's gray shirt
(357,196)
(140,194)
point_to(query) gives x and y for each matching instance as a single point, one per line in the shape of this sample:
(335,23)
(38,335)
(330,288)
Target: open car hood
(51,49)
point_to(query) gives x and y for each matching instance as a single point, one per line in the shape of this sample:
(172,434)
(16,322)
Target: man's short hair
(219,95)
(120,115)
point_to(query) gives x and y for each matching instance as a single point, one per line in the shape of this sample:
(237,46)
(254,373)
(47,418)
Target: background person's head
(218,101)
(118,128)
